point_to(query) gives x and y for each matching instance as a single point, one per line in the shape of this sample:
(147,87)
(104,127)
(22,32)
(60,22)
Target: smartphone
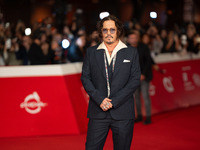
(8,43)
(183,39)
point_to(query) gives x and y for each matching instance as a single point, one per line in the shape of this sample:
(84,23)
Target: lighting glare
(65,43)
(28,31)
(103,15)
(153,15)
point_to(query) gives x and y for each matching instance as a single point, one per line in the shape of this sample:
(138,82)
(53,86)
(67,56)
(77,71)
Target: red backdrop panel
(49,105)
(55,117)
(178,87)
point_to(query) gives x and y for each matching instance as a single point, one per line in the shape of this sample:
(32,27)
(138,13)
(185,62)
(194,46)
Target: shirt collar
(119,46)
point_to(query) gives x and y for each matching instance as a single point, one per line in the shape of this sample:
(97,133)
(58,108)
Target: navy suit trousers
(98,129)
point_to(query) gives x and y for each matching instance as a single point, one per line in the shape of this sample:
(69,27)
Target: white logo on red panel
(196,79)
(168,84)
(187,83)
(32,103)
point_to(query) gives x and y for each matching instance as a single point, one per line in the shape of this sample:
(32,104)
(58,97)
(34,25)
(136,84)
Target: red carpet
(175,130)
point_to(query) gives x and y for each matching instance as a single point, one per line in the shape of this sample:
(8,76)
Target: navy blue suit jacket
(125,80)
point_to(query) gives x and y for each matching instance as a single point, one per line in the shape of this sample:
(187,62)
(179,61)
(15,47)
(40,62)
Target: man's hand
(106,104)
(142,77)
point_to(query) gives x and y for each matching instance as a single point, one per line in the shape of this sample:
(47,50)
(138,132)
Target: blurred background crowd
(54,40)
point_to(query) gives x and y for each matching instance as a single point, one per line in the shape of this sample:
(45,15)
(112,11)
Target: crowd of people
(44,45)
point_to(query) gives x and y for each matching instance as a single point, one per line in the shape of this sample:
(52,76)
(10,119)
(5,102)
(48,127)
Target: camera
(183,39)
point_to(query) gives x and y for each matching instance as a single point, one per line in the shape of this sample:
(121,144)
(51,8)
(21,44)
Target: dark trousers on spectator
(144,91)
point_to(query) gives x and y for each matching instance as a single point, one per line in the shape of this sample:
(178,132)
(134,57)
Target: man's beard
(109,42)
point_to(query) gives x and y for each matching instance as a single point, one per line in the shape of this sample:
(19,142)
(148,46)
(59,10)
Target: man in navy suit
(110,75)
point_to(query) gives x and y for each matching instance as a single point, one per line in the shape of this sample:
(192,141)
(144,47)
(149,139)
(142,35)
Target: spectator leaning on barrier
(76,50)
(173,43)
(197,43)
(12,53)
(2,42)
(146,40)
(2,63)
(36,55)
(163,36)
(24,47)
(157,44)
(192,39)
(48,53)
(56,46)
(11,46)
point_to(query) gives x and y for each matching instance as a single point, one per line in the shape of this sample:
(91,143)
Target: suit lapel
(99,54)
(119,61)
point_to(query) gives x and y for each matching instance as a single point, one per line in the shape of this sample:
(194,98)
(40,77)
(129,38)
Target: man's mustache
(109,36)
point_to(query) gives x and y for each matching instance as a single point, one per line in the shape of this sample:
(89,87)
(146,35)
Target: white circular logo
(32,103)
(168,84)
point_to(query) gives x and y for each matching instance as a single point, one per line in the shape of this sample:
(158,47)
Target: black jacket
(146,61)
(37,57)
(125,80)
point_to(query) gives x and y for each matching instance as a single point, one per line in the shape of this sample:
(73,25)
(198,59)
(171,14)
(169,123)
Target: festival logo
(32,103)
(196,79)
(168,84)
(188,85)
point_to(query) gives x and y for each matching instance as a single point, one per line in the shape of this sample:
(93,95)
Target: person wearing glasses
(110,75)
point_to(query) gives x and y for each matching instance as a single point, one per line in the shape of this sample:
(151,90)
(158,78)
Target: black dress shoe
(147,121)
(138,119)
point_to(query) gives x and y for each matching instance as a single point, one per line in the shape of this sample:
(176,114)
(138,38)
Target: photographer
(76,50)
(173,43)
(193,39)
(11,46)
